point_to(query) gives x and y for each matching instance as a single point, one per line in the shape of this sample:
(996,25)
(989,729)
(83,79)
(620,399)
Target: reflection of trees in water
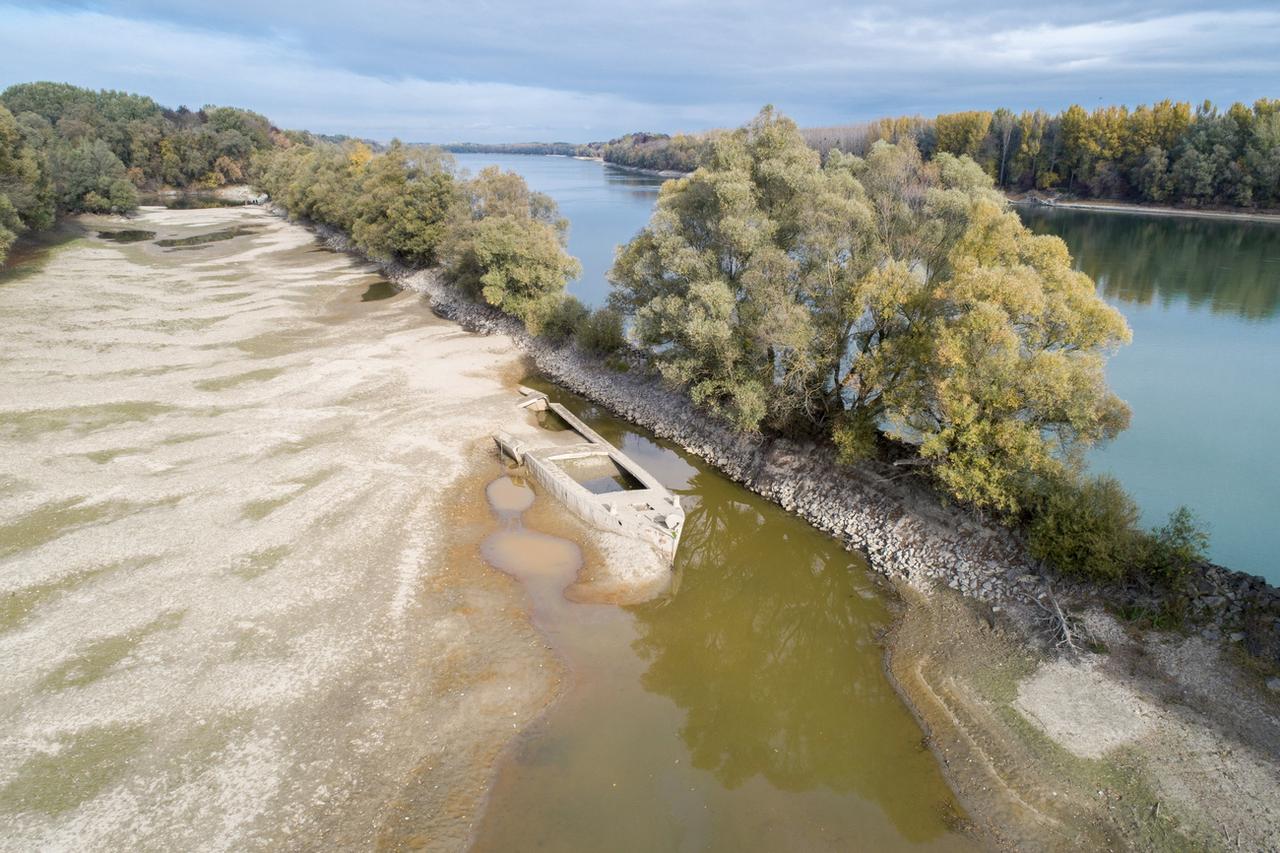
(769,649)
(1232,267)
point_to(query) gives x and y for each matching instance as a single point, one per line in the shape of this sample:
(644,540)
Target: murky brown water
(748,710)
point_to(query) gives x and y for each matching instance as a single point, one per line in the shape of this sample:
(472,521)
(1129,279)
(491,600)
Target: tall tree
(879,293)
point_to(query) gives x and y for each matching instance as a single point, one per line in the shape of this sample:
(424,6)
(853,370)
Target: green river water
(1202,375)
(748,710)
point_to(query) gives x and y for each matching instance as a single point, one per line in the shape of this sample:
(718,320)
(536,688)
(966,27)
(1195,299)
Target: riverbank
(238,604)
(909,536)
(669,174)
(1148,209)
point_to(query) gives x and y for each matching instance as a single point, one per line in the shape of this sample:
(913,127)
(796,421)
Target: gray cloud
(506,70)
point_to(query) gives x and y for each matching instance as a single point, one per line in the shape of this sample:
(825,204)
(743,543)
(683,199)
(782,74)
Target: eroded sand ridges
(222,480)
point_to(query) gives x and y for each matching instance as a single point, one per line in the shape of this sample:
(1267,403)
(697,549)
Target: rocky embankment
(902,526)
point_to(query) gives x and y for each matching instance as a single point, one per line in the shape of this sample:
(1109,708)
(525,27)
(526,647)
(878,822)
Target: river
(749,710)
(1202,374)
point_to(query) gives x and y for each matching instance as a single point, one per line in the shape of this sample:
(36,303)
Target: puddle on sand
(509,495)
(128,235)
(378,290)
(204,239)
(749,710)
(545,564)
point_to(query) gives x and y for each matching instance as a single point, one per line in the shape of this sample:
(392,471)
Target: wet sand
(233,609)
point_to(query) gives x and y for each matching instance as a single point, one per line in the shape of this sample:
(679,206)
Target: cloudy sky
(579,70)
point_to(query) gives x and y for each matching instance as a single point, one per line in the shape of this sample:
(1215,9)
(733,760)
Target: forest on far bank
(1166,153)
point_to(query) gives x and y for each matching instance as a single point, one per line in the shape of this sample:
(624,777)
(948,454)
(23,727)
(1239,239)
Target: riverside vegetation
(886,306)
(1166,153)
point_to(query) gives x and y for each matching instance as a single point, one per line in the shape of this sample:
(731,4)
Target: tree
(89,177)
(1004,130)
(403,202)
(962,134)
(711,282)
(513,264)
(879,293)
(507,246)
(26,200)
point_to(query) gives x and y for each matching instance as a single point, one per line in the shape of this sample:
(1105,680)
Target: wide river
(1202,375)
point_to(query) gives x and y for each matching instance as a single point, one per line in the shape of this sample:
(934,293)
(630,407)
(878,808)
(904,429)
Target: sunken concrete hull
(638,507)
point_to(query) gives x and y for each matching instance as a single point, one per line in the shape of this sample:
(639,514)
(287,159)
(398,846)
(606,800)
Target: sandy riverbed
(231,611)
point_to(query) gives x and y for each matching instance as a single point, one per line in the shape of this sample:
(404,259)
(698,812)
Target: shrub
(855,437)
(512,264)
(1172,551)
(1086,528)
(562,320)
(600,333)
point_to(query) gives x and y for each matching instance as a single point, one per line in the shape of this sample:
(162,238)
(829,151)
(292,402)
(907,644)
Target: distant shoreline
(1151,209)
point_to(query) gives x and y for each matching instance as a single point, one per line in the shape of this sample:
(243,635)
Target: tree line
(64,149)
(894,307)
(495,239)
(1166,153)
(656,151)
(562,149)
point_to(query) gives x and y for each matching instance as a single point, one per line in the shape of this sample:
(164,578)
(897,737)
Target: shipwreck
(597,482)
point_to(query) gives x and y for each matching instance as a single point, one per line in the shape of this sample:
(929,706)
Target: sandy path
(228,615)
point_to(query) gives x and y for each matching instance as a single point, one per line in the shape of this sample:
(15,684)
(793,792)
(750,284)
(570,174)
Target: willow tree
(507,246)
(403,201)
(876,294)
(713,282)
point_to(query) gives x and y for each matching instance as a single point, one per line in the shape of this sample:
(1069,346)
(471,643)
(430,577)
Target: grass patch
(80,419)
(82,766)
(260,509)
(259,562)
(96,659)
(17,606)
(48,522)
(223,383)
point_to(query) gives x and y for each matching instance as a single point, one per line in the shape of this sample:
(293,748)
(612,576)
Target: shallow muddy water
(747,710)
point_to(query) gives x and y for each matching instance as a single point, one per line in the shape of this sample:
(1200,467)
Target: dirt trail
(229,614)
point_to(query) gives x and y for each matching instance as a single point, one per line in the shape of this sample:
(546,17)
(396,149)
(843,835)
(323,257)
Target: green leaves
(1087,528)
(506,246)
(880,292)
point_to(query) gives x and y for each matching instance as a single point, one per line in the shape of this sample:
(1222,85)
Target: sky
(584,70)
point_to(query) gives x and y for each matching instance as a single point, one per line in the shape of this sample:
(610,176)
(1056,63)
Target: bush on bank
(499,241)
